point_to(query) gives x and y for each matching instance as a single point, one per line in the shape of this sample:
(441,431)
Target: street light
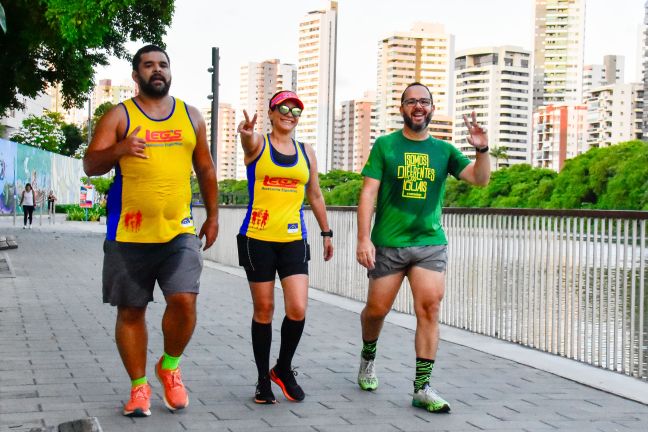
(214,104)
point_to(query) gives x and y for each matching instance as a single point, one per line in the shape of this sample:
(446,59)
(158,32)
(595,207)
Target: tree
(48,42)
(498,153)
(96,116)
(73,140)
(42,132)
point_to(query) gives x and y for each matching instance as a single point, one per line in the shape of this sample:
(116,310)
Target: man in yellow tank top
(153,141)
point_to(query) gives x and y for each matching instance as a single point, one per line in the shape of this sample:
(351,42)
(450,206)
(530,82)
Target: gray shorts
(390,260)
(130,270)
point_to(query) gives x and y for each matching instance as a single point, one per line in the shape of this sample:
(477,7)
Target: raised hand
(133,145)
(246,127)
(478,137)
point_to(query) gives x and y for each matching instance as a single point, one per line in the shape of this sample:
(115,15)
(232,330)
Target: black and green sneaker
(428,399)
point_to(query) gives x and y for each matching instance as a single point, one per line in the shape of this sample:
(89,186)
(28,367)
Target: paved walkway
(59,362)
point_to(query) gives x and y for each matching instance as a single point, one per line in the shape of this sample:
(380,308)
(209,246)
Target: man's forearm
(365,211)
(482,169)
(99,162)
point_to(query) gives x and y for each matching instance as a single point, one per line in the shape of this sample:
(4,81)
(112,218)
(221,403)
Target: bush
(76,213)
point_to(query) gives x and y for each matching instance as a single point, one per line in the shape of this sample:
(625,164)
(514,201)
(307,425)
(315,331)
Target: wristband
(328,233)
(481,150)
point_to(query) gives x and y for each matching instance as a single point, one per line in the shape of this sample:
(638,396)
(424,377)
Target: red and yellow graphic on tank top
(150,200)
(276,197)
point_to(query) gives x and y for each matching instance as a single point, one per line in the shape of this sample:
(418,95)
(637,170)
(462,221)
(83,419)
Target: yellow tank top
(150,199)
(275,211)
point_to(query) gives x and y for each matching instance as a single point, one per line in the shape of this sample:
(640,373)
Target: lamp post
(214,104)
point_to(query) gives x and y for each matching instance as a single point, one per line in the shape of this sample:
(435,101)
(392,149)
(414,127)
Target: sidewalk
(59,362)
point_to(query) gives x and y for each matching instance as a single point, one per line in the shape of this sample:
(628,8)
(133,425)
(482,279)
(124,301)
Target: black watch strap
(481,150)
(328,233)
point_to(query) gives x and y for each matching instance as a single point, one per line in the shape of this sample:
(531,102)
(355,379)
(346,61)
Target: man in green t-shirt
(405,176)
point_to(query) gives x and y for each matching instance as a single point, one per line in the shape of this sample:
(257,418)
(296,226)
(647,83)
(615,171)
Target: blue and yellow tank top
(150,199)
(275,212)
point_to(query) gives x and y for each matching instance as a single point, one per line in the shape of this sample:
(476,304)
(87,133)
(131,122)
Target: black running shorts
(262,260)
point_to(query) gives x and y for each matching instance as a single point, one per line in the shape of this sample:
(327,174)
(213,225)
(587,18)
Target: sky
(257,30)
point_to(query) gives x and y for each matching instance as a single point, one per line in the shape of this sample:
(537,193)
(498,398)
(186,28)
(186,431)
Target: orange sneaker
(175,394)
(139,404)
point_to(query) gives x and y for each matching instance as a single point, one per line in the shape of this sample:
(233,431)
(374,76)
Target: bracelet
(481,150)
(328,233)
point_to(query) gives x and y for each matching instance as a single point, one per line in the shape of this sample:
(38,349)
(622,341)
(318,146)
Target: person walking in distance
(405,176)
(273,237)
(152,141)
(28,202)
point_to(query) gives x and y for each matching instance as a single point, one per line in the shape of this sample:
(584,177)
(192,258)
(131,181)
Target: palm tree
(499,153)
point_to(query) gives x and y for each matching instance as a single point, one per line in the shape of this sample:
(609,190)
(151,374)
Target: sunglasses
(425,102)
(285,109)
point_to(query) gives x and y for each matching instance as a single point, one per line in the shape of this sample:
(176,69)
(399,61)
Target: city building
(614,114)
(105,91)
(612,71)
(229,153)
(559,133)
(316,82)
(559,51)
(354,133)
(259,82)
(644,62)
(424,54)
(12,121)
(495,83)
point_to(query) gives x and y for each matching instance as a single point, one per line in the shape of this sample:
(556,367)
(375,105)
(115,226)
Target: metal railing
(568,282)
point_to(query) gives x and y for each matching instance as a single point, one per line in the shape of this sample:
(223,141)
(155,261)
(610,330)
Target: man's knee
(429,308)
(375,312)
(127,315)
(184,302)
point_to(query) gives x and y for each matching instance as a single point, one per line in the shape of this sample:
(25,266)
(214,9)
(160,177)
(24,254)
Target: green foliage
(76,213)
(42,132)
(101,184)
(346,194)
(96,116)
(232,191)
(62,41)
(614,177)
(73,140)
(335,178)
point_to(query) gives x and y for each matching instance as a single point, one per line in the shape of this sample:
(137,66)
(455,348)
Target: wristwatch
(481,150)
(328,233)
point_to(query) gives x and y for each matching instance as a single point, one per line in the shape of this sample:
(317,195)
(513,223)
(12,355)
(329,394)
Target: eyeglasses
(425,102)
(285,109)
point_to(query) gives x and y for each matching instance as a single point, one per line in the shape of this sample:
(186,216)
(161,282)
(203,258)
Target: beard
(151,90)
(420,127)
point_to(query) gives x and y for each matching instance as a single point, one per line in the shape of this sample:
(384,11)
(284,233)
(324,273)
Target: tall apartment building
(644,61)
(614,114)
(612,71)
(558,53)
(259,81)
(316,82)
(424,54)
(105,91)
(354,133)
(495,83)
(559,133)
(227,145)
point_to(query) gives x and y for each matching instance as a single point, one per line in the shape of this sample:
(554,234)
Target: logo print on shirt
(282,182)
(259,218)
(293,228)
(415,175)
(164,136)
(133,221)
(186,222)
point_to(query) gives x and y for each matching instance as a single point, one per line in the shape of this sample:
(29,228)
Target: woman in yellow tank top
(273,237)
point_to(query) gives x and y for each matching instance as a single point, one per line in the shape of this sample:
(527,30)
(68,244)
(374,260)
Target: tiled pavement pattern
(58,362)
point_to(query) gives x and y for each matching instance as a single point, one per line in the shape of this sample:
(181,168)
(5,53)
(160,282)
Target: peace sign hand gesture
(478,137)
(246,127)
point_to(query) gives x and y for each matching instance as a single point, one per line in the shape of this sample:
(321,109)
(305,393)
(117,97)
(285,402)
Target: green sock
(369,349)
(170,363)
(139,381)
(423,372)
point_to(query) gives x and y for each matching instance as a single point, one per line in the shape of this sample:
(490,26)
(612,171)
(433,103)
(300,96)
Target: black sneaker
(263,394)
(288,383)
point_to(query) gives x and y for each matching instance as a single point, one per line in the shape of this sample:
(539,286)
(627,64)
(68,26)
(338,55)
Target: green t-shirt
(412,178)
